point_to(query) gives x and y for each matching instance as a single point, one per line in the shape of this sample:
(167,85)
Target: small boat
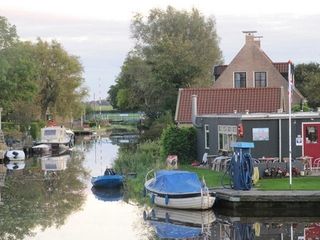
(109,179)
(178,189)
(15,155)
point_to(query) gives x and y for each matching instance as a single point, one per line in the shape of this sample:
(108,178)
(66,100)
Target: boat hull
(107,181)
(200,202)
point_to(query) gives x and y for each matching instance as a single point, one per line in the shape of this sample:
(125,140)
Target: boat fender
(144,215)
(167,217)
(152,198)
(166,199)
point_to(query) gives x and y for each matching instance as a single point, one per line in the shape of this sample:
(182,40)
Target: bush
(180,142)
(139,160)
(35,130)
(9,126)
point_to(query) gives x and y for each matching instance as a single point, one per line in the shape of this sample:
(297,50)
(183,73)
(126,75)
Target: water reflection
(182,224)
(108,194)
(52,198)
(33,198)
(55,163)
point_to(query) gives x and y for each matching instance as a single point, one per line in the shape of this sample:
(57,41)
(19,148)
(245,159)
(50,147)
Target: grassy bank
(146,156)
(213,179)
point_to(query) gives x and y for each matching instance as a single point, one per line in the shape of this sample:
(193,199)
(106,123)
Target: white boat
(56,137)
(16,159)
(15,155)
(178,189)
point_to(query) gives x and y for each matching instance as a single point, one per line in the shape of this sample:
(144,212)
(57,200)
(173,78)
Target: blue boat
(109,179)
(178,189)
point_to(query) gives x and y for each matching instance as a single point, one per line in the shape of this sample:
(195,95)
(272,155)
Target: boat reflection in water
(108,194)
(205,225)
(55,163)
(180,224)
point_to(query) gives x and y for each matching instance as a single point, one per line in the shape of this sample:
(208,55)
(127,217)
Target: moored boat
(15,155)
(178,189)
(109,179)
(55,138)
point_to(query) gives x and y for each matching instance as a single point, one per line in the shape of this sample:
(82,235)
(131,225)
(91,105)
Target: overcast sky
(98,31)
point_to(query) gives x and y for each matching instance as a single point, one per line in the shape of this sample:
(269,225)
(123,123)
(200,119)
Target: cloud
(102,42)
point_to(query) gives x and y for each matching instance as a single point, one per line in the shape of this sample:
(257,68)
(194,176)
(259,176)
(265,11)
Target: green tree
(174,49)
(18,75)
(8,34)
(60,80)
(129,93)
(307,80)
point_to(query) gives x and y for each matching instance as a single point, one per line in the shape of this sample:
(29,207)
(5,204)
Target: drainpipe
(194,111)
(280,140)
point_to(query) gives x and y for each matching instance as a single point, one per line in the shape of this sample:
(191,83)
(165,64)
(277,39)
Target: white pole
(0,116)
(290,100)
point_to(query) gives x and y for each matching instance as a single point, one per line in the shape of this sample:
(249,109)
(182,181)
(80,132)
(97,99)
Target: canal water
(51,197)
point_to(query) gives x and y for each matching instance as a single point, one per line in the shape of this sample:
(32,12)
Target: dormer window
(240,80)
(260,79)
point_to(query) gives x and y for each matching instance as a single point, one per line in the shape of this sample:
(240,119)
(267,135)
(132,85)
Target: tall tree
(18,75)
(307,80)
(60,80)
(8,34)
(175,49)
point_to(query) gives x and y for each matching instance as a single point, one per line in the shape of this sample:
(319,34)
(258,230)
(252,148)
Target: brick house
(252,68)
(249,79)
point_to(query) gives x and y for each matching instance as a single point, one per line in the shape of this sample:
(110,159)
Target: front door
(311,139)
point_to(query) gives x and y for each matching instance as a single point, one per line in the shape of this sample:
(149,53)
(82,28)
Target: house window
(260,79)
(227,135)
(206,136)
(311,135)
(239,79)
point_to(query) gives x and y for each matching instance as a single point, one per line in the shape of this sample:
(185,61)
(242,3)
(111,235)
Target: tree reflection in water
(33,199)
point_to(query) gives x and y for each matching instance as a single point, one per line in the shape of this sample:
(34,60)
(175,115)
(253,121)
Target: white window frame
(228,134)
(254,79)
(233,82)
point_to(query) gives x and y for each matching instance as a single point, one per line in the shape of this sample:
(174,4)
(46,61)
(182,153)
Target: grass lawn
(213,179)
(298,183)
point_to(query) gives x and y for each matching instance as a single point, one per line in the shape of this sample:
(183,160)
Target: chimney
(194,111)
(251,38)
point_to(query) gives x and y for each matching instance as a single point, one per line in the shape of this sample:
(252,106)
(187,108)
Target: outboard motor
(241,166)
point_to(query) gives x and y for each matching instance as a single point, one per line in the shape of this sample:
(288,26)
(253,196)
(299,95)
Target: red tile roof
(226,100)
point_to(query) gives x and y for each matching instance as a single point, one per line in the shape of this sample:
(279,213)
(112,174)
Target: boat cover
(107,180)
(174,231)
(173,181)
